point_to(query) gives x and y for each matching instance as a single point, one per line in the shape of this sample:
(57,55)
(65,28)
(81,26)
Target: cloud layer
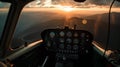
(102,2)
(96,2)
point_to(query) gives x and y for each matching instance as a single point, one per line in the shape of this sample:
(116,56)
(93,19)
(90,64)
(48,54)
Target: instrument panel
(67,43)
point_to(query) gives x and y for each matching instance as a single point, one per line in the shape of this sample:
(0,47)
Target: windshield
(4,7)
(92,15)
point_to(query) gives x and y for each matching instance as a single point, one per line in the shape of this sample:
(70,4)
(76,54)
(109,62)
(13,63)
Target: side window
(101,29)
(4,8)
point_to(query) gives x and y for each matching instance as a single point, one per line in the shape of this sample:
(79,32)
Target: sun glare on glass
(66,8)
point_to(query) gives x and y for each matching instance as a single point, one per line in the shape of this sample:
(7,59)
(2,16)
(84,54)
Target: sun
(67,8)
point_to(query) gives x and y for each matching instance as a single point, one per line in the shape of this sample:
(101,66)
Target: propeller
(79,0)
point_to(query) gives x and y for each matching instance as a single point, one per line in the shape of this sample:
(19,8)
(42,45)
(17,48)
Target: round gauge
(87,39)
(61,40)
(68,47)
(69,34)
(75,47)
(52,34)
(75,34)
(68,40)
(61,46)
(76,41)
(62,34)
(83,35)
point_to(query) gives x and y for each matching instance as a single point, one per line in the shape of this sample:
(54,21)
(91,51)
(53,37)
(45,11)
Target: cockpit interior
(74,42)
